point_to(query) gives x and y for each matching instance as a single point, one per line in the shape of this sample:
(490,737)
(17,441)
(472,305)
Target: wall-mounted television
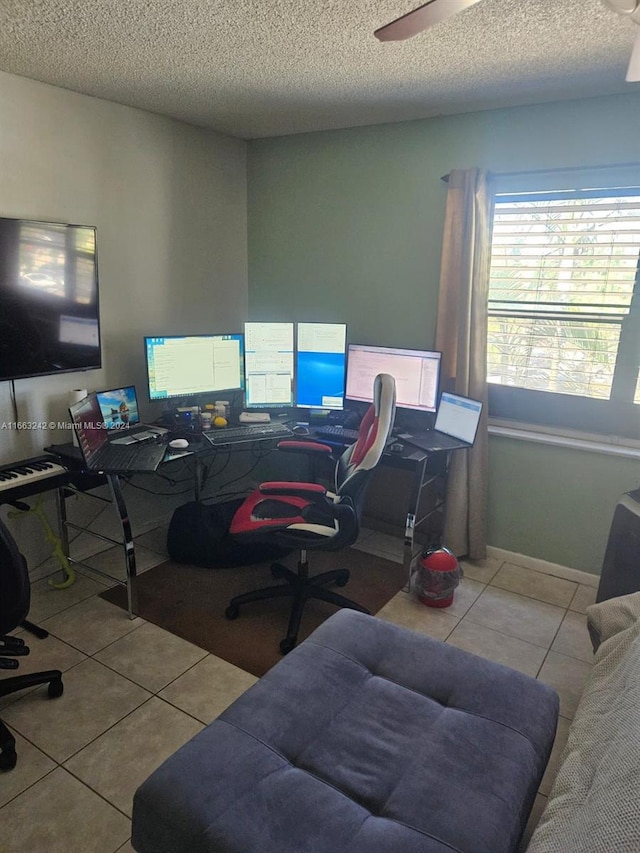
(49,312)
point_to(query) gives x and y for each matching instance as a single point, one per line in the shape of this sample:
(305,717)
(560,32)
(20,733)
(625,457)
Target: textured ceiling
(254,68)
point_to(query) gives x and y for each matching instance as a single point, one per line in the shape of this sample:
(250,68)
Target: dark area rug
(190,602)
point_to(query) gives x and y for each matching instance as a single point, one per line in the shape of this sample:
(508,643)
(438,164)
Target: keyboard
(250,432)
(141,456)
(29,471)
(123,455)
(337,432)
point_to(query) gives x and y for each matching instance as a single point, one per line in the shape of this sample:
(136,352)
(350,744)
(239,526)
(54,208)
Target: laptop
(455,427)
(98,453)
(121,415)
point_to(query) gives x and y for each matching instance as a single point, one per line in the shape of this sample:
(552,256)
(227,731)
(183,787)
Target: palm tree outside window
(563,345)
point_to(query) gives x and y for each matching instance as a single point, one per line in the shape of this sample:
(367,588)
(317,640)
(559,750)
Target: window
(564,310)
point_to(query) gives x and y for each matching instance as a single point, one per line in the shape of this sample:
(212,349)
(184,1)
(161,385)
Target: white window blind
(563,317)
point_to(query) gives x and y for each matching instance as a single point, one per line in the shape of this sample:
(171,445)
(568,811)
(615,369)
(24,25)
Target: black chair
(15,597)
(307,516)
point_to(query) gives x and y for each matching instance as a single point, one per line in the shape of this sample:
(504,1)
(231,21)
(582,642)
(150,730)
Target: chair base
(300,587)
(52,677)
(8,757)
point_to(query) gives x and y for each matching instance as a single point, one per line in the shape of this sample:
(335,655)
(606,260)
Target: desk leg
(198,468)
(127,542)
(412,512)
(61,511)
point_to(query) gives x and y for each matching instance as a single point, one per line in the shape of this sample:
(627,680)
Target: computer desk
(418,462)
(70,455)
(427,469)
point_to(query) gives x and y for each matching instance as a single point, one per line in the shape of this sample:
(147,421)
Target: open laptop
(455,427)
(121,415)
(98,453)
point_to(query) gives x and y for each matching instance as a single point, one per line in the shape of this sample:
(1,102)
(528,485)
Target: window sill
(611,445)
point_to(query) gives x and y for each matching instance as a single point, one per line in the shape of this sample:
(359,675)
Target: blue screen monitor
(417,375)
(268,365)
(187,366)
(321,360)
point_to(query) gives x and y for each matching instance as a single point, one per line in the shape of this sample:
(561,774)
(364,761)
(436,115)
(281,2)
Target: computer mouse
(179,443)
(396,447)
(300,430)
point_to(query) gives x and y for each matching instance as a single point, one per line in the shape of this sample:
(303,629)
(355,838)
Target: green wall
(347,225)
(555,503)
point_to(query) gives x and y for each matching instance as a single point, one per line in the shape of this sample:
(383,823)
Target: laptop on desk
(455,427)
(121,415)
(99,454)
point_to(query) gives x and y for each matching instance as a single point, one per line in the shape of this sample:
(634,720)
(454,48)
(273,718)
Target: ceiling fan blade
(425,16)
(633,72)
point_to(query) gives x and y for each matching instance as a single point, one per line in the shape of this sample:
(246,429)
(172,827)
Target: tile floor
(134,693)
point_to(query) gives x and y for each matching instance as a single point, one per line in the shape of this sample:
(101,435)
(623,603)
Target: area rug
(190,602)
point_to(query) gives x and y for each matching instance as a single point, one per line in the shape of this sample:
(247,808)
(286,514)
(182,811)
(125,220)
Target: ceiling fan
(434,11)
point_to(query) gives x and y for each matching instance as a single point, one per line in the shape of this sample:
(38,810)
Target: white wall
(169,203)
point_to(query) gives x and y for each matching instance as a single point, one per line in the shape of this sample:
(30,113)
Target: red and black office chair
(309,517)
(15,598)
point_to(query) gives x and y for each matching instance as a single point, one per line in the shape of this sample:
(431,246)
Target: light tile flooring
(134,692)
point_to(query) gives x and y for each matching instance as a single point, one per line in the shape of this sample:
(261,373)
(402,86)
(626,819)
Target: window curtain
(461,336)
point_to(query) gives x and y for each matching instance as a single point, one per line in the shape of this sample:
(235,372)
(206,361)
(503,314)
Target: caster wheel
(56,688)
(277,572)
(343,580)
(287,645)
(8,758)
(232,611)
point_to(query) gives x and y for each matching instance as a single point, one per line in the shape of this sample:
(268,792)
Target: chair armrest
(310,491)
(308,447)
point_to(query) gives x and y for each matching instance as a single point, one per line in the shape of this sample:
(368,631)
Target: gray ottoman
(367,738)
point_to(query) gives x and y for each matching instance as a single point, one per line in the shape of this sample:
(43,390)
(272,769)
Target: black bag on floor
(199,535)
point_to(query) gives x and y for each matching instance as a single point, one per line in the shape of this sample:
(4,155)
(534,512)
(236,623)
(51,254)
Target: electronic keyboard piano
(31,476)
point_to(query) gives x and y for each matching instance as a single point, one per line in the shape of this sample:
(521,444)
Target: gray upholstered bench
(367,738)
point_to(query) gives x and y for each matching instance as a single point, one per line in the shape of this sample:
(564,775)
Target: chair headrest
(376,425)
(384,401)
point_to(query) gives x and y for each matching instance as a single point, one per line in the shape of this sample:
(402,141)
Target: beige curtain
(461,336)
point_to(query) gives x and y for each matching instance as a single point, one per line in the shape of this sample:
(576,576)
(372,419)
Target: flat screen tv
(49,316)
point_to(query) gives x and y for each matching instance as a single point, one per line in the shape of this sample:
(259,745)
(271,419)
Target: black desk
(426,470)
(418,462)
(70,455)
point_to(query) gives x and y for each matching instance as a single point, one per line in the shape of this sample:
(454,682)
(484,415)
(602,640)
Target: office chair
(308,517)
(15,598)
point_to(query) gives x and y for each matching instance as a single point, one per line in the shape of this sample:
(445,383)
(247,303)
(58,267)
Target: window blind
(563,312)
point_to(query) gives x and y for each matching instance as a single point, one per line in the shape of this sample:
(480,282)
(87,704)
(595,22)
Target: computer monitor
(119,407)
(187,366)
(417,375)
(268,365)
(321,359)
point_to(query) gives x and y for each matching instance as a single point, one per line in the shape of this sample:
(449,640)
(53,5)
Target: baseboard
(543,566)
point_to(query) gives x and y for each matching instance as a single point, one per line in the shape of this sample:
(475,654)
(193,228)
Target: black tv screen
(49,317)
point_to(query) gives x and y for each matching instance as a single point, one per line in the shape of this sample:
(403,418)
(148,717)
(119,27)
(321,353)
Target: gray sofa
(367,738)
(593,806)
